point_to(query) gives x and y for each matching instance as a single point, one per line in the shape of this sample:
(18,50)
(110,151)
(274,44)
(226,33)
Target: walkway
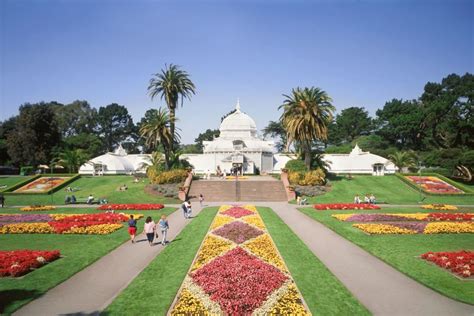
(378,286)
(94,288)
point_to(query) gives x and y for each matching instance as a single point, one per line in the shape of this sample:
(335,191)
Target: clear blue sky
(362,53)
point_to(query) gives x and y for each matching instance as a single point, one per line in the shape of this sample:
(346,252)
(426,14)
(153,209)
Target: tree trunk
(307,155)
(172,119)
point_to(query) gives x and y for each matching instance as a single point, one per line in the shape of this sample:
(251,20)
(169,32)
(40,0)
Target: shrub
(172,176)
(310,178)
(296,165)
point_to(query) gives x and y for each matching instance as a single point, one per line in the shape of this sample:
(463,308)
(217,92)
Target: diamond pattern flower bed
(434,185)
(238,232)
(238,273)
(16,263)
(220,277)
(237,212)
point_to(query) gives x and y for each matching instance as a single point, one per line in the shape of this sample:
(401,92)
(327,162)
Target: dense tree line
(42,133)
(437,129)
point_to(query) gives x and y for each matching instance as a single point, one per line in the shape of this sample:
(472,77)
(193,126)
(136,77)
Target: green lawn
(152,292)
(402,251)
(99,187)
(387,189)
(9,181)
(78,252)
(322,291)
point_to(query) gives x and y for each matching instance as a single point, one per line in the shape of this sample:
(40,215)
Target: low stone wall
(290,192)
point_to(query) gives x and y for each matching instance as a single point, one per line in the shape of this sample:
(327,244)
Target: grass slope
(10,181)
(78,252)
(387,189)
(322,291)
(402,251)
(153,291)
(100,187)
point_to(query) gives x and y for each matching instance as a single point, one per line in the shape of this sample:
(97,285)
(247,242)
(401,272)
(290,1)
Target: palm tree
(72,159)
(402,159)
(306,115)
(156,131)
(171,84)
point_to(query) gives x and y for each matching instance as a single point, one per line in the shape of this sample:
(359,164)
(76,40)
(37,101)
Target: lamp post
(420,166)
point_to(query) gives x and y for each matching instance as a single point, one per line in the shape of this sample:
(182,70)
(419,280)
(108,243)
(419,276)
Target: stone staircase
(236,191)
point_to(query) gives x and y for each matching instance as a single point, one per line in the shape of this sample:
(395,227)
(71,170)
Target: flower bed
(439,207)
(20,262)
(238,271)
(384,217)
(42,185)
(34,208)
(460,262)
(417,228)
(346,206)
(434,185)
(63,223)
(125,207)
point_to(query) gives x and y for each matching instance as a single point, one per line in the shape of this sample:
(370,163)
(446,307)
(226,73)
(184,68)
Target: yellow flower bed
(189,305)
(211,248)
(289,304)
(342,217)
(224,208)
(417,216)
(263,247)
(220,220)
(37,208)
(379,229)
(439,207)
(102,229)
(449,228)
(27,228)
(254,220)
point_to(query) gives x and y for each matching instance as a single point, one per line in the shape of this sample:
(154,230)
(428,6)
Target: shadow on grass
(7,297)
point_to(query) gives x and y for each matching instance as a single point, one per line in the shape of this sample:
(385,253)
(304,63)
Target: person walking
(164,226)
(132,228)
(184,206)
(201,199)
(149,230)
(2,200)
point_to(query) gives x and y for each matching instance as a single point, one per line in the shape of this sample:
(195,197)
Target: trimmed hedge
(467,191)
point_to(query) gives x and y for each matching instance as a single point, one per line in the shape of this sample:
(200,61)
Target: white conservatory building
(118,162)
(238,146)
(360,162)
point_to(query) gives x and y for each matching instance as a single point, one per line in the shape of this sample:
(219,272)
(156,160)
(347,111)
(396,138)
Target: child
(164,226)
(201,199)
(132,228)
(149,230)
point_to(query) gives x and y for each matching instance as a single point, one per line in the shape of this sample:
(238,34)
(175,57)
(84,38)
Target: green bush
(172,176)
(310,178)
(296,165)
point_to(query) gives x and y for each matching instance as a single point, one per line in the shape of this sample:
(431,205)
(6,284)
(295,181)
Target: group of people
(301,200)
(368,199)
(123,188)
(187,209)
(151,229)
(90,199)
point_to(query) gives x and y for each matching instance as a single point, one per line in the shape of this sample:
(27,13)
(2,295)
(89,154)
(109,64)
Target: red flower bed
(238,281)
(124,207)
(451,216)
(460,262)
(346,206)
(19,262)
(237,212)
(66,223)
